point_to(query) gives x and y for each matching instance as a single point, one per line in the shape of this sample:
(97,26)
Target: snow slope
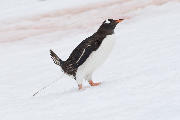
(140,80)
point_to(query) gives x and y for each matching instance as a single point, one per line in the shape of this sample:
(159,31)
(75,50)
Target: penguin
(89,54)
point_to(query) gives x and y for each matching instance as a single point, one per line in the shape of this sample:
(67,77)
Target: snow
(14,8)
(140,79)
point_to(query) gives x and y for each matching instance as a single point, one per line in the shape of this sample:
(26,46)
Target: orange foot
(94,84)
(80,86)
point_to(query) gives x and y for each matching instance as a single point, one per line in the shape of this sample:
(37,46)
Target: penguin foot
(94,84)
(80,86)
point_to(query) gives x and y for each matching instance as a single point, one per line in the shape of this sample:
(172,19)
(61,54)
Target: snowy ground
(140,80)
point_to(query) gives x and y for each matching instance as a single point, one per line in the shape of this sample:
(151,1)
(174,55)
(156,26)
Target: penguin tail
(56,59)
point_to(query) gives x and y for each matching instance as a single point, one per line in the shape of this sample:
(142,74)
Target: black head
(108,26)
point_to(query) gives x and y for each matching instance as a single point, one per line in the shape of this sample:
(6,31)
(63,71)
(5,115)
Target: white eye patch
(107,21)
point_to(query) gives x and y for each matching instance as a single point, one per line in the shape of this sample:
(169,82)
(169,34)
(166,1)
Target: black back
(87,46)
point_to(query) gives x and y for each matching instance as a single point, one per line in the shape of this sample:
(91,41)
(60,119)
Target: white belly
(96,58)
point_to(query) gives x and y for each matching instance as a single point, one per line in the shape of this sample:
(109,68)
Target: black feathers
(55,58)
(81,53)
(84,49)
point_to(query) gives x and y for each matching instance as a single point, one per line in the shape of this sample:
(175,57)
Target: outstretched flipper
(55,58)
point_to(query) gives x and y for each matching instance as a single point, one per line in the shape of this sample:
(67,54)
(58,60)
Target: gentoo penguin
(89,54)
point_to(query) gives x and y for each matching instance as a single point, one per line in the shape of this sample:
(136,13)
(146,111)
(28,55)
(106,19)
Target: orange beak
(118,21)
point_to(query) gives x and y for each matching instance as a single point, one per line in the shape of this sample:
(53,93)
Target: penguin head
(108,26)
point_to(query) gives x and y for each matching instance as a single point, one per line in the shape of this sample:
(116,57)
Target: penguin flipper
(85,54)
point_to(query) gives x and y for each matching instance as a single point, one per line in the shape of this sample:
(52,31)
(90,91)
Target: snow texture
(140,79)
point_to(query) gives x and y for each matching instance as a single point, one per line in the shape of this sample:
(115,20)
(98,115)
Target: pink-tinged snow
(67,20)
(140,80)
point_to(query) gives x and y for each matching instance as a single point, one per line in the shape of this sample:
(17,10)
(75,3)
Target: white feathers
(107,21)
(95,59)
